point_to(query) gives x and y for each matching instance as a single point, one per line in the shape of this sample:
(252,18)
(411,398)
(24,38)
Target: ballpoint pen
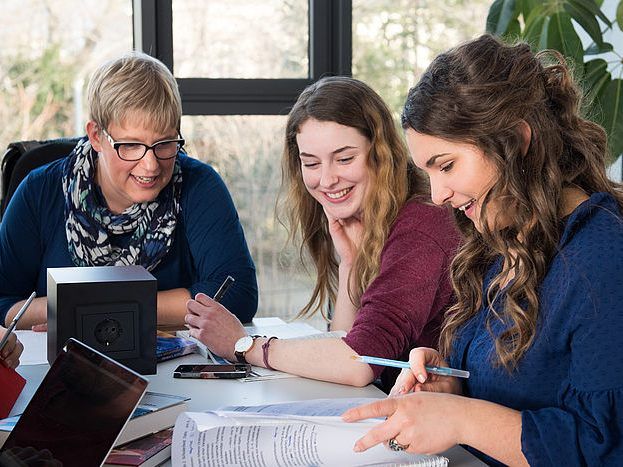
(227,283)
(436,370)
(17,317)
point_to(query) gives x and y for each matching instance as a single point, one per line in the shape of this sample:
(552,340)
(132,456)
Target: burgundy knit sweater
(403,306)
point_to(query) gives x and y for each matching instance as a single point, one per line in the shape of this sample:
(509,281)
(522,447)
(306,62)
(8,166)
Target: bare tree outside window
(49,49)
(248,39)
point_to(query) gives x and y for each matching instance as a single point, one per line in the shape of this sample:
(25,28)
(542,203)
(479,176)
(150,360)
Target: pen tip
(354,357)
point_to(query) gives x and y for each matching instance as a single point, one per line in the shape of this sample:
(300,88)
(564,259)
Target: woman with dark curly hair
(538,279)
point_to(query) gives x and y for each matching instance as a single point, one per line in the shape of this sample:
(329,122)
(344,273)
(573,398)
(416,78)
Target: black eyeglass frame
(116,144)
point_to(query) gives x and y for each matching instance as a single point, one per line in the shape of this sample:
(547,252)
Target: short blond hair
(135,84)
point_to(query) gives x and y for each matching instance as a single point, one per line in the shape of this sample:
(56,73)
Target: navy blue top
(208,243)
(569,384)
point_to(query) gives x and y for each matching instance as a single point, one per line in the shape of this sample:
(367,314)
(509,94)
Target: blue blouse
(569,384)
(208,243)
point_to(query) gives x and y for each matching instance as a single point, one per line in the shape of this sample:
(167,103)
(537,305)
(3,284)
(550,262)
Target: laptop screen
(77,412)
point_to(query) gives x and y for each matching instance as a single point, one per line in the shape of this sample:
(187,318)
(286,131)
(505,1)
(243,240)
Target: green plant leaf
(528,6)
(620,15)
(599,49)
(561,36)
(542,44)
(585,18)
(596,78)
(536,25)
(593,8)
(612,106)
(514,29)
(501,13)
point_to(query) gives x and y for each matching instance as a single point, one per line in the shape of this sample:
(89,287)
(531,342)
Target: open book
(293,434)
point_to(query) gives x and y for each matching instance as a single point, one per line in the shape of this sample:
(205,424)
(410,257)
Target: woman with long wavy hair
(538,279)
(382,256)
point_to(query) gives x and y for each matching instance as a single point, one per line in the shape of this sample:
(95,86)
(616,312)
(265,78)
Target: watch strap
(241,356)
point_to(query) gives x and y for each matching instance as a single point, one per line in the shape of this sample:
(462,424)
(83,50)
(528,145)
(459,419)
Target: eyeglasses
(135,151)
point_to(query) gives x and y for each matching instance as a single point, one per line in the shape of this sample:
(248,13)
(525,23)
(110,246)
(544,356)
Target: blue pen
(436,370)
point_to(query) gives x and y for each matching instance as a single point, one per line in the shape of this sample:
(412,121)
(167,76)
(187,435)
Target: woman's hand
(11,351)
(214,325)
(417,378)
(346,235)
(35,315)
(422,422)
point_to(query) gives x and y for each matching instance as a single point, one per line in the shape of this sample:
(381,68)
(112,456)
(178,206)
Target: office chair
(23,156)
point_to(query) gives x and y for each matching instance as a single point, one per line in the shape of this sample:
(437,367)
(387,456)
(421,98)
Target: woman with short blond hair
(127,195)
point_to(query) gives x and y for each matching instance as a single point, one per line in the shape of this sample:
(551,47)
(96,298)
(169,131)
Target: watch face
(243,344)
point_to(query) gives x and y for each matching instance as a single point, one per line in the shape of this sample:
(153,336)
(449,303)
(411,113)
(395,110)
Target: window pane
(246,151)
(49,50)
(240,39)
(395,40)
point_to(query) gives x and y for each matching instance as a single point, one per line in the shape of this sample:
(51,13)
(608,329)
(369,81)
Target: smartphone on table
(213,371)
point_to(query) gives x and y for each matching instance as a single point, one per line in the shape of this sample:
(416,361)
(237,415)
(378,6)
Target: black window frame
(330,53)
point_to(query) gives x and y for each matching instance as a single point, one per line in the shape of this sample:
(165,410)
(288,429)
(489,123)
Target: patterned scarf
(90,225)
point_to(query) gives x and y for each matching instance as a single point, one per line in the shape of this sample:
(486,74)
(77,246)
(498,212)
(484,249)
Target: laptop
(77,413)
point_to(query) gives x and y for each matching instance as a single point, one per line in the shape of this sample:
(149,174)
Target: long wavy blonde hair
(483,93)
(393,180)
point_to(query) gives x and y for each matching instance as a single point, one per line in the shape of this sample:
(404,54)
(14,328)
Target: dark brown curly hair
(484,92)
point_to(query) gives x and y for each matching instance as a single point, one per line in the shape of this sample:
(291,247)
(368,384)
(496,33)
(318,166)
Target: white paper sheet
(35,347)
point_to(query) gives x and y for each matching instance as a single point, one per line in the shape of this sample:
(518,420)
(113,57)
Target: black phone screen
(235,370)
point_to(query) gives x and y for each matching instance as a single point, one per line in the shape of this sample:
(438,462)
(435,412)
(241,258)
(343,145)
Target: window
(238,78)
(240,66)
(49,50)
(251,39)
(246,151)
(395,40)
(276,85)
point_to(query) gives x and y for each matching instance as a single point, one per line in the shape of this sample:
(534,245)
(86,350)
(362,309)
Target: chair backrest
(23,156)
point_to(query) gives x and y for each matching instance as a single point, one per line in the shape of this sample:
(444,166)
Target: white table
(212,394)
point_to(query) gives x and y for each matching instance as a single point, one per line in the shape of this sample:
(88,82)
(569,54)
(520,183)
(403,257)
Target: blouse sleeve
(217,243)
(587,426)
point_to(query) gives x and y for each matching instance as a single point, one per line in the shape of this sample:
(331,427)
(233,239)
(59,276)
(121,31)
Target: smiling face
(125,183)
(460,174)
(334,166)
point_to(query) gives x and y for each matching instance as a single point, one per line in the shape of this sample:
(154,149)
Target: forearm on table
(172,306)
(171,309)
(37,313)
(493,429)
(344,310)
(327,359)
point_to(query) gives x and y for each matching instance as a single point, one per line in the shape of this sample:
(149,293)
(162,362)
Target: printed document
(281,435)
